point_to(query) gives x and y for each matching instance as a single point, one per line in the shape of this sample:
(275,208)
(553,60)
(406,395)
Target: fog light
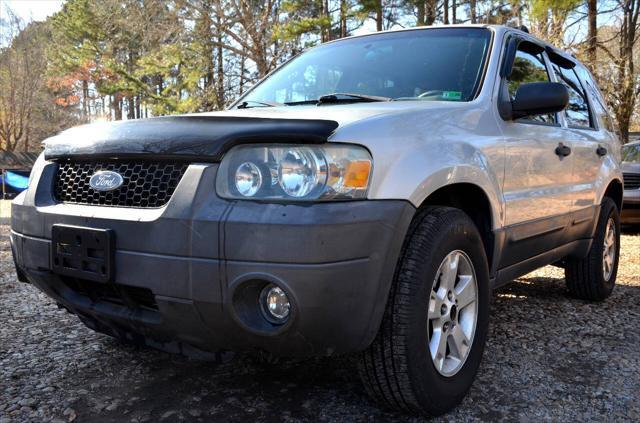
(275,304)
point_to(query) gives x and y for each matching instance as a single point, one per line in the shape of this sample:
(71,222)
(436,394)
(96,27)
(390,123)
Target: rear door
(589,148)
(538,181)
(590,128)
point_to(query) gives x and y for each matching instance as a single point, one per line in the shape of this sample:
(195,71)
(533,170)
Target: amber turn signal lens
(357,174)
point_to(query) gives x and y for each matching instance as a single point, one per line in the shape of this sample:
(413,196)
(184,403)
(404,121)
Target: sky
(31,10)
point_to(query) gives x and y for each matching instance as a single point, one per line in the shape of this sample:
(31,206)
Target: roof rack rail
(522,28)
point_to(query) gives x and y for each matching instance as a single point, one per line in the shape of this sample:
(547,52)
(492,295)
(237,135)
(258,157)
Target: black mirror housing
(537,98)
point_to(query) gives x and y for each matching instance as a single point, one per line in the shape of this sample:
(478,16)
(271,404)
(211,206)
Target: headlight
(295,172)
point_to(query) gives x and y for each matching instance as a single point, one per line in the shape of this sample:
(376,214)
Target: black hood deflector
(201,138)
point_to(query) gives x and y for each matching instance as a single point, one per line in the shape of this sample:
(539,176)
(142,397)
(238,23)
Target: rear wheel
(430,343)
(594,276)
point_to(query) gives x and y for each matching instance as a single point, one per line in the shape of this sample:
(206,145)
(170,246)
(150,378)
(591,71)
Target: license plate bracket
(84,253)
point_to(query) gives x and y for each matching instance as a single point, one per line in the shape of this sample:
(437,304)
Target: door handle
(601,151)
(563,150)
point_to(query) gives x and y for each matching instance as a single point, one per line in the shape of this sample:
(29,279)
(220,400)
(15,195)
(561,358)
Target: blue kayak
(15,180)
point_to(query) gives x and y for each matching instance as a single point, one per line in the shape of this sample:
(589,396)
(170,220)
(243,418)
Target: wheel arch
(475,202)
(615,191)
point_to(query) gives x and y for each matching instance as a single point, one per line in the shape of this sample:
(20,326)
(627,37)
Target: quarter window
(527,68)
(577,112)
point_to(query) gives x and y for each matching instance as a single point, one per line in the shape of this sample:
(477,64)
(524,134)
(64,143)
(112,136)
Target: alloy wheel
(609,250)
(453,313)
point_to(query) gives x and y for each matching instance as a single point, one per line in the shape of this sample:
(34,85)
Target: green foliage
(134,58)
(541,9)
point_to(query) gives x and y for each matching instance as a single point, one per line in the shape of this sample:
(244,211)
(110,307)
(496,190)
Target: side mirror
(538,98)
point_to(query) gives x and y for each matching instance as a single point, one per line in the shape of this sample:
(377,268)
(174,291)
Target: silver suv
(365,197)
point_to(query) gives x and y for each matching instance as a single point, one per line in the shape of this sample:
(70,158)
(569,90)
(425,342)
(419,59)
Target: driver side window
(529,67)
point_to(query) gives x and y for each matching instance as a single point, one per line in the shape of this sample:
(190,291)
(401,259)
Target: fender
(420,151)
(609,172)
(463,174)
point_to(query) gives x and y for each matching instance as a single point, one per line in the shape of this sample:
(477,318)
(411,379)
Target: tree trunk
(421,14)
(131,108)
(624,122)
(117,109)
(453,11)
(592,12)
(242,64)
(517,11)
(343,18)
(472,11)
(430,12)
(220,83)
(326,28)
(625,88)
(206,34)
(262,65)
(85,98)
(445,9)
(379,16)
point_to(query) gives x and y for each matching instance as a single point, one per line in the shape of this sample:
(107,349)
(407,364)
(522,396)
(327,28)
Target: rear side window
(597,101)
(527,68)
(577,112)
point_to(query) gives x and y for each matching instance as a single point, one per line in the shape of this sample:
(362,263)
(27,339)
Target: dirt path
(548,357)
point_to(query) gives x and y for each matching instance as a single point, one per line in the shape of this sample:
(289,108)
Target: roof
(497,28)
(415,28)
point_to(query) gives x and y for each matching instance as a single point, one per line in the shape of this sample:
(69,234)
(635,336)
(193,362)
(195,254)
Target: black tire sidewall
(429,385)
(609,210)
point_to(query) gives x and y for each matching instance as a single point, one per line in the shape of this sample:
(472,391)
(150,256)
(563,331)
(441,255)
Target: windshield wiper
(340,98)
(349,97)
(299,103)
(245,104)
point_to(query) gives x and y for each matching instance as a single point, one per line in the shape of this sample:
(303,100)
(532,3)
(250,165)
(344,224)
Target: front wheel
(430,343)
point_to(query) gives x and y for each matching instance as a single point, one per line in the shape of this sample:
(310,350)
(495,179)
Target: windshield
(631,153)
(433,64)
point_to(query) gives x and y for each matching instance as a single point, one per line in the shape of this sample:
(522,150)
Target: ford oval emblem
(106,180)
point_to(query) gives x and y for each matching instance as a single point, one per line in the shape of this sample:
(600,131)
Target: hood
(630,167)
(207,136)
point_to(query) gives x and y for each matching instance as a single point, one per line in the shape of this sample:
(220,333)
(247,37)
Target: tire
(397,369)
(587,278)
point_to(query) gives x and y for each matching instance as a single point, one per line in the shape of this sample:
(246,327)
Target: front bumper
(186,275)
(631,207)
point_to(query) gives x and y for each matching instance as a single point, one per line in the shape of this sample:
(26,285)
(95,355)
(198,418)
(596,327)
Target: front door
(538,174)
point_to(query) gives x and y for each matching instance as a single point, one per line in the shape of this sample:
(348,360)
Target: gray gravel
(548,357)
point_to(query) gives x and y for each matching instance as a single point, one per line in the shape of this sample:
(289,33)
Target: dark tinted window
(527,68)
(631,153)
(432,64)
(597,100)
(577,112)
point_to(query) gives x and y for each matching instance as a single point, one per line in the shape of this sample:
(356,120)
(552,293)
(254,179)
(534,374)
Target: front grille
(131,297)
(631,180)
(145,183)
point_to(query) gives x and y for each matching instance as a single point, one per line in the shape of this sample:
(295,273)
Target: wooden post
(4,191)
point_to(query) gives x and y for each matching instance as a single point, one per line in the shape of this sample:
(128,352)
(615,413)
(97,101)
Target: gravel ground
(548,357)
